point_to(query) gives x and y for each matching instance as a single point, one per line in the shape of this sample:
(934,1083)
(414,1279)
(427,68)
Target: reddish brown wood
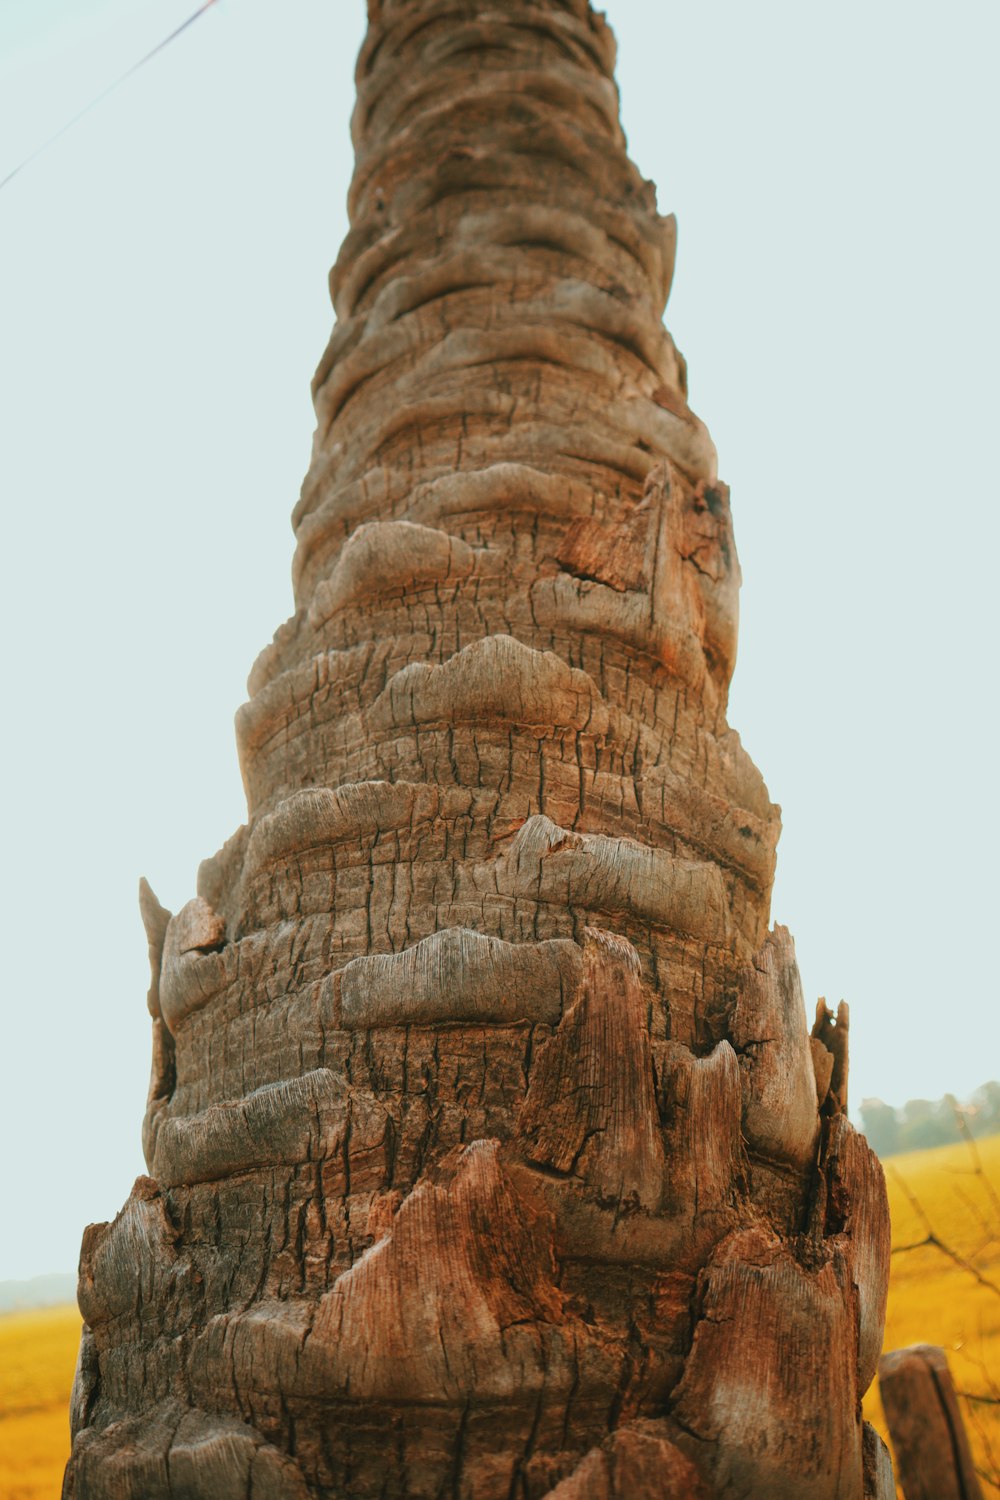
(490,1155)
(928,1435)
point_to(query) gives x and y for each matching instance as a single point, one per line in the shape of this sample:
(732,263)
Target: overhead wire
(99,98)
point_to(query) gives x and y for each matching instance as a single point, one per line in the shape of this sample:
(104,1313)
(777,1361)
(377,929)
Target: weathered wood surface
(933,1457)
(879,1481)
(490,1154)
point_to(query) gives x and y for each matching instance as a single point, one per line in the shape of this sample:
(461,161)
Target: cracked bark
(489,1151)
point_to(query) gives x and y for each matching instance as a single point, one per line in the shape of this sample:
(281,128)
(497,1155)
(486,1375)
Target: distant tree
(983,1110)
(881,1122)
(930,1122)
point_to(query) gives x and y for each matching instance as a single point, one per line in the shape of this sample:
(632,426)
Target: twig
(938,1244)
(992,1231)
(99,98)
(984,1474)
(991,1475)
(970,1141)
(974,1399)
(983,1368)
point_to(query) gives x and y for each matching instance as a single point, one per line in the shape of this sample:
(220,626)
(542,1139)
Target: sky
(163,304)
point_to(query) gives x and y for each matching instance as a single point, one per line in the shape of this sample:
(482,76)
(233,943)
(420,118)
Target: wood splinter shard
(490,1155)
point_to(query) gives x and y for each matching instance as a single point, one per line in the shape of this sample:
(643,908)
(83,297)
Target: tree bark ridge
(490,1154)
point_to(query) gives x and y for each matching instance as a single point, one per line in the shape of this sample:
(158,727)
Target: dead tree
(489,1152)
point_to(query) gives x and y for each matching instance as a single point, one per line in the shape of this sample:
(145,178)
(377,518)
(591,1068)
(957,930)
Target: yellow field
(37,1359)
(931,1300)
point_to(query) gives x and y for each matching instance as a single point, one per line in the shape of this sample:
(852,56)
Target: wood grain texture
(490,1155)
(879,1481)
(925,1425)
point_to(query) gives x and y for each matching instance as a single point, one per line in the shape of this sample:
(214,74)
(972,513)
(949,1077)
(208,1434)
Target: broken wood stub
(933,1458)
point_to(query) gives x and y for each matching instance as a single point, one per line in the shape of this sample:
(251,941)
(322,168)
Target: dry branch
(933,1239)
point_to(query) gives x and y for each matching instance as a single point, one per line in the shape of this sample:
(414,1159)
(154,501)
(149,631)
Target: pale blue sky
(162,306)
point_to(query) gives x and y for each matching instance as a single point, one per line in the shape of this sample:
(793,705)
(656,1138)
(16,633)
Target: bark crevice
(491,1155)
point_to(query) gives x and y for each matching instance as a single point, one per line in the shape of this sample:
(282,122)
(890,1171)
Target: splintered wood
(490,1155)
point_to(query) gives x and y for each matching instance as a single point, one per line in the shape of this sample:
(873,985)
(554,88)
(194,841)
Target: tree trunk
(489,1152)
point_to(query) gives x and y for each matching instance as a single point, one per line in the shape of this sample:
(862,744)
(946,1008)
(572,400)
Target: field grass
(37,1360)
(931,1300)
(934,1301)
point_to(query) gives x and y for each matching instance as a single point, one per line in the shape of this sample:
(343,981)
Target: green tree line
(929,1122)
